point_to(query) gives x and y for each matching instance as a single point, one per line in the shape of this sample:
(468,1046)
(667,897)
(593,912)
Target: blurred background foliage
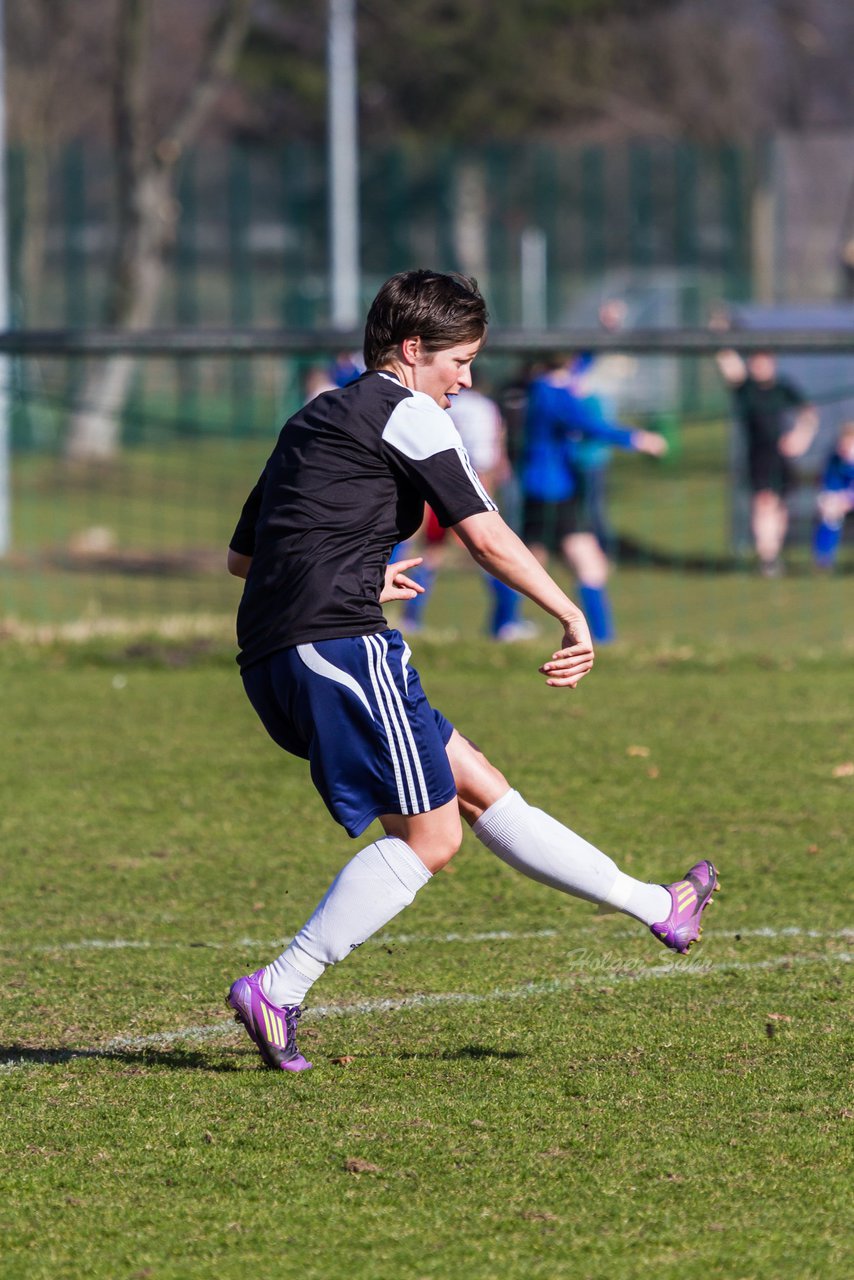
(710,70)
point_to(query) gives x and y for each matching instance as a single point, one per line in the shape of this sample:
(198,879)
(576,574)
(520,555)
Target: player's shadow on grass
(175,1059)
(475,1052)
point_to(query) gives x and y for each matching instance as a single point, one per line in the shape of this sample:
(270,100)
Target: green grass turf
(144,538)
(561,1102)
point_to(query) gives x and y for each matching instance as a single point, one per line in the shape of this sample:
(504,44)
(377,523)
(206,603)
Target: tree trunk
(95,427)
(146,207)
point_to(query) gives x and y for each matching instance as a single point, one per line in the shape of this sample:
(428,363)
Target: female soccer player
(347,481)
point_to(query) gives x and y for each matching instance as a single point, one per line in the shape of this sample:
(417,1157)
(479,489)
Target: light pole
(343,160)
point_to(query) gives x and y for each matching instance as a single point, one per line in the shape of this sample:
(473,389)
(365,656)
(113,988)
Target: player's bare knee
(479,784)
(436,847)
(434,837)
(443,853)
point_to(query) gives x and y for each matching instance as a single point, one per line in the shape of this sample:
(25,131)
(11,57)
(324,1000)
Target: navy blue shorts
(355,709)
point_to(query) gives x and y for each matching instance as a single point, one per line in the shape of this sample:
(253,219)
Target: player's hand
(798,438)
(834,506)
(650,442)
(573,661)
(397,586)
(732,367)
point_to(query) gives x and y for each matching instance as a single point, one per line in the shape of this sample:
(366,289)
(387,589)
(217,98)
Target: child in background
(835,499)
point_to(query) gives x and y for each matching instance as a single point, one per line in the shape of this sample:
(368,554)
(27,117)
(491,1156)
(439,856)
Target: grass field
(505,1085)
(145,537)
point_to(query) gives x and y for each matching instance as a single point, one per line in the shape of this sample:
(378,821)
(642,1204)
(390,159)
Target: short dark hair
(443,310)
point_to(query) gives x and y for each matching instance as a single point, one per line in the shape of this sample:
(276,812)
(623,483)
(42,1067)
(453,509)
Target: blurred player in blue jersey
(559,516)
(346,481)
(835,499)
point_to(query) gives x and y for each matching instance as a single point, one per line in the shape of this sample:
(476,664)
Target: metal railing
(252,341)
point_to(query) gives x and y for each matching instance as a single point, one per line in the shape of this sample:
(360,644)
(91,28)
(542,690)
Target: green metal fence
(666,227)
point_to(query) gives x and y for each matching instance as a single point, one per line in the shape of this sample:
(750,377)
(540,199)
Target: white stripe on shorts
(404,665)
(398,711)
(397,719)
(404,800)
(322,667)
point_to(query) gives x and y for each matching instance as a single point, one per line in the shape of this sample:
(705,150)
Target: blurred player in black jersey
(347,480)
(778,426)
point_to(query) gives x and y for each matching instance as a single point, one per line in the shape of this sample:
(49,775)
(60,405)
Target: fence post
(392,167)
(240,265)
(763,223)
(640,205)
(685,227)
(76,296)
(737,266)
(5,363)
(15,369)
(500,161)
(186,291)
(593,212)
(533,255)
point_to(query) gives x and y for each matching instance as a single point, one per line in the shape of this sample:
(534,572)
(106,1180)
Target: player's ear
(411,350)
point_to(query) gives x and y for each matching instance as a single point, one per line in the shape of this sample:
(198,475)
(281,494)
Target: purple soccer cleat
(690,896)
(273,1029)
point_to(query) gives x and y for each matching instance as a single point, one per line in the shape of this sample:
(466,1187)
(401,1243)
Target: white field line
(406,939)
(385,940)
(672,969)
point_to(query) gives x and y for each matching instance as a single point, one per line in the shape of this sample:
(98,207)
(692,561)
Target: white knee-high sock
(536,844)
(369,891)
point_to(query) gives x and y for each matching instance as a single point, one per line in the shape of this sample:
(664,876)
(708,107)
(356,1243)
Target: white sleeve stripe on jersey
(475,479)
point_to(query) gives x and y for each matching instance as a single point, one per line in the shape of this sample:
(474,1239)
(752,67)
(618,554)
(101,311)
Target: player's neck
(399,370)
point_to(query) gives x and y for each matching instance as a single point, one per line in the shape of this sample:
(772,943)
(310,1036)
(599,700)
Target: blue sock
(505,606)
(414,608)
(597,609)
(825,544)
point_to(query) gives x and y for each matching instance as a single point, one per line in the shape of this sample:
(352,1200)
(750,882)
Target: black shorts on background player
(768,469)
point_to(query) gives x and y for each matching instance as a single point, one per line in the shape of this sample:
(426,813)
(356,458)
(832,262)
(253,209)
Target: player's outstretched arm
(497,549)
(732,367)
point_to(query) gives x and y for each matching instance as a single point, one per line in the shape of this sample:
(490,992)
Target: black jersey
(762,408)
(347,480)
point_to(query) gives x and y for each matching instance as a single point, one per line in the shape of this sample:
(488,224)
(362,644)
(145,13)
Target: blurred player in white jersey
(481,426)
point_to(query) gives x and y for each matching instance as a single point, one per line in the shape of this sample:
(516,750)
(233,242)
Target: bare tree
(146,209)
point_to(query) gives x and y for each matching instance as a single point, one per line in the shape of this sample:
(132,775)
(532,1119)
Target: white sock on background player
(370,890)
(534,843)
